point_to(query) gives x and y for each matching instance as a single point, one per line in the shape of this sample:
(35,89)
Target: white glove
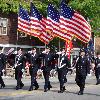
(39,70)
(59,53)
(3,70)
(89,75)
(22,70)
(15,65)
(12,68)
(44,51)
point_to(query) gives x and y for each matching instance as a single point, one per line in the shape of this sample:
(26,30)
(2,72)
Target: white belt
(61,66)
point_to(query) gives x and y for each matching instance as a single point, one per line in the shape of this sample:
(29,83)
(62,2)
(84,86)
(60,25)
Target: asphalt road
(92,91)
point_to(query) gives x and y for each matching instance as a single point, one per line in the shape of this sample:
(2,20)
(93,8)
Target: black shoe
(64,88)
(45,90)
(2,85)
(49,87)
(61,91)
(80,93)
(36,88)
(21,85)
(17,88)
(31,88)
(97,83)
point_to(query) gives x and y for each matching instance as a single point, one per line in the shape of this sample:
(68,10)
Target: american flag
(38,25)
(74,23)
(23,20)
(45,36)
(35,17)
(52,25)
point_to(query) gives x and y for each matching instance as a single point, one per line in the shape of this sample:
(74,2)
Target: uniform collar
(62,54)
(34,53)
(47,53)
(19,54)
(82,56)
(1,52)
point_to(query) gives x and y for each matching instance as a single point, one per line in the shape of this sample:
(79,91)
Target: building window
(3,26)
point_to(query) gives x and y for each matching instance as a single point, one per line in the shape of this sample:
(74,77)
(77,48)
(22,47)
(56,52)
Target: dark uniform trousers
(1,80)
(61,77)
(48,58)
(97,70)
(82,69)
(18,77)
(80,80)
(62,71)
(35,64)
(33,72)
(46,74)
(2,65)
(18,70)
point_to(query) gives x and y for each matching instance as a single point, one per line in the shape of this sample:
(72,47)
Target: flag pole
(17,40)
(94,42)
(45,45)
(59,44)
(59,55)
(16,49)
(31,40)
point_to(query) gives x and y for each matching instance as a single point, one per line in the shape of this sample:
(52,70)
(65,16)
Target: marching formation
(46,61)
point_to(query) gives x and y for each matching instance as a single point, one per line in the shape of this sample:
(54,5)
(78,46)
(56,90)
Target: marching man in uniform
(97,68)
(34,66)
(19,68)
(47,67)
(63,66)
(2,67)
(82,69)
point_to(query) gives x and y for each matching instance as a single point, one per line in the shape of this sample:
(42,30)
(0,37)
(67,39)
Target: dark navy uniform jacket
(19,61)
(82,66)
(34,60)
(97,62)
(64,62)
(47,58)
(2,61)
(97,66)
